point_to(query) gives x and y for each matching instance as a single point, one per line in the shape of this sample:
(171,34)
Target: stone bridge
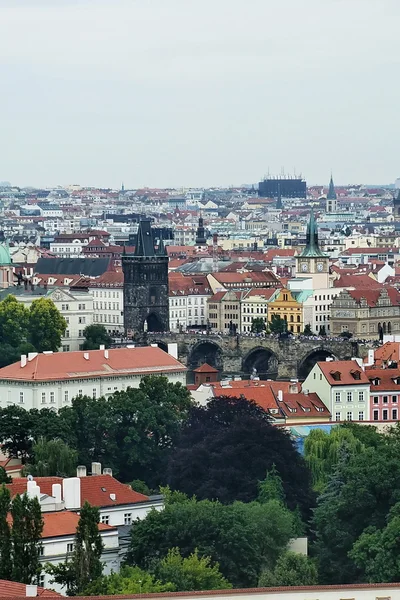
(272,358)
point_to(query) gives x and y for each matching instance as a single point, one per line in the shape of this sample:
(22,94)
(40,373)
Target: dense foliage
(23,330)
(19,537)
(241,537)
(95,336)
(291,568)
(227,447)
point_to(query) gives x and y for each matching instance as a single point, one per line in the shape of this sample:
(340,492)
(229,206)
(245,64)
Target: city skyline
(197,94)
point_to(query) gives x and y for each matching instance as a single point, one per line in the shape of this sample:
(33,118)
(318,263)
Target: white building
(343,387)
(75,306)
(254,305)
(188,301)
(52,380)
(107,292)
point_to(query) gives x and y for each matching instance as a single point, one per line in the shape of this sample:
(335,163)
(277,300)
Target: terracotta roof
(267,292)
(12,588)
(372,295)
(346,369)
(274,592)
(258,391)
(56,524)
(370,251)
(386,378)
(388,352)
(205,368)
(356,280)
(96,489)
(72,365)
(303,405)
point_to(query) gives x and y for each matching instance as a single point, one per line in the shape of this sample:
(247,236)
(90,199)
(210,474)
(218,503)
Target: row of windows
(385,414)
(385,399)
(127,519)
(111,305)
(349,416)
(349,396)
(101,294)
(106,318)
(257,310)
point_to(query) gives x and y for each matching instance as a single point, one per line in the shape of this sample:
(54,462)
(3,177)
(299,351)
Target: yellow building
(286,306)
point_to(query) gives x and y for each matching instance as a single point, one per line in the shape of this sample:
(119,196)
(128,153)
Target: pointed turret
(312,248)
(201,239)
(331,191)
(161,250)
(145,242)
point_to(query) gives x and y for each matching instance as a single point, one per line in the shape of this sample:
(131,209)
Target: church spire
(312,248)
(201,239)
(331,191)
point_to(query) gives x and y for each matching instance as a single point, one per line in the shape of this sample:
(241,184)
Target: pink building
(385,394)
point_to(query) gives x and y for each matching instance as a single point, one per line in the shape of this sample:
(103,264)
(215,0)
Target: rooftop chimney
(81,471)
(102,347)
(23,360)
(31,591)
(96,468)
(56,492)
(107,471)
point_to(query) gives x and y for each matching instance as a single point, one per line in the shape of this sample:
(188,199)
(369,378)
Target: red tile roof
(72,365)
(56,524)
(372,295)
(12,588)
(386,378)
(95,489)
(205,368)
(346,370)
(356,280)
(388,352)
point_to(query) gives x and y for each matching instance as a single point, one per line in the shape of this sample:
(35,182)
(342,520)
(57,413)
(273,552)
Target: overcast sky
(198,92)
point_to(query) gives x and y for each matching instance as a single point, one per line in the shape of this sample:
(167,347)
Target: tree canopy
(226,448)
(192,573)
(241,538)
(258,325)
(290,569)
(277,324)
(96,335)
(46,325)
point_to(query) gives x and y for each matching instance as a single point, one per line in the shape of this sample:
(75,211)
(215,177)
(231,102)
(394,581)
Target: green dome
(5,258)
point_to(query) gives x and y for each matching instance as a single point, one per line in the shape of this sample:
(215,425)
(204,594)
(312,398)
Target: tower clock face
(304,267)
(320,266)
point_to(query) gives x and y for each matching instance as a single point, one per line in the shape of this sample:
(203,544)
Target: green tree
(26,532)
(130,580)
(377,551)
(322,451)
(4,478)
(368,435)
(242,538)
(257,325)
(193,573)
(139,486)
(291,569)
(15,431)
(5,535)
(85,565)
(359,494)
(307,330)
(14,317)
(271,488)
(226,448)
(277,324)
(53,458)
(95,336)
(322,331)
(46,325)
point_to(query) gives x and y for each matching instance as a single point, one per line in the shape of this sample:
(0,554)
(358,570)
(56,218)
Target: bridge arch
(161,344)
(205,351)
(263,360)
(308,361)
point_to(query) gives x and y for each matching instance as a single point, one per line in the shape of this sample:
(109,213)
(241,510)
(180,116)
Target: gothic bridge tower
(146,302)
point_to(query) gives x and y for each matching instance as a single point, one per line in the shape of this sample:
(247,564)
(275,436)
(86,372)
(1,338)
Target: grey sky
(198,92)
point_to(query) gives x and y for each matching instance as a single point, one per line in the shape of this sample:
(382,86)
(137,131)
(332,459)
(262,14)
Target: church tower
(331,198)
(201,239)
(146,301)
(312,262)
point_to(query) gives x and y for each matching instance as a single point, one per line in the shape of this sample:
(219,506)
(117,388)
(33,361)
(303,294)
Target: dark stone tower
(201,239)
(146,303)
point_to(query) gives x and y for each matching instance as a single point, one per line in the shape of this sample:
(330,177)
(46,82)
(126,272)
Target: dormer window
(376,381)
(336,375)
(356,375)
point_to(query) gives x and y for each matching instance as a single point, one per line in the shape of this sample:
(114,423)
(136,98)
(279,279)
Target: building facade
(52,380)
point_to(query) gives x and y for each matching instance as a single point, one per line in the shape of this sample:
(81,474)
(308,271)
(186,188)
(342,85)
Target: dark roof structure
(91,267)
(331,191)
(312,249)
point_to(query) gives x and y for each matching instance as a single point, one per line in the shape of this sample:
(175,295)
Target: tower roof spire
(312,248)
(331,191)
